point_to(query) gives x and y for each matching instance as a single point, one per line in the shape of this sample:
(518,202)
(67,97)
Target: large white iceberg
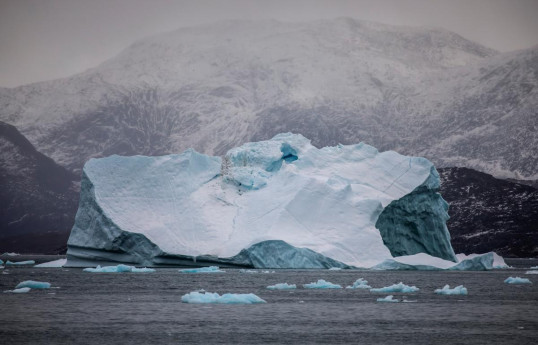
(280,203)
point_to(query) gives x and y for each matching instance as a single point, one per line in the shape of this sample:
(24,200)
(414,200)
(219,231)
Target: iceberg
(517,280)
(425,262)
(197,297)
(282,286)
(532,272)
(400,287)
(20,263)
(388,299)
(210,269)
(279,203)
(359,284)
(32,284)
(446,290)
(21,290)
(118,269)
(50,264)
(322,284)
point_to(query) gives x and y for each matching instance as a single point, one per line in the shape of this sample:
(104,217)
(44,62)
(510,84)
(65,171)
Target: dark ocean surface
(146,308)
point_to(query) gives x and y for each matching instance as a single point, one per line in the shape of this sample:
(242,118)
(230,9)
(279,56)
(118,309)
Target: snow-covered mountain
(419,91)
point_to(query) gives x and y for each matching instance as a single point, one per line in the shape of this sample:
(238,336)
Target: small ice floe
(282,286)
(21,290)
(517,280)
(20,263)
(50,264)
(118,269)
(254,271)
(197,297)
(11,254)
(322,284)
(210,269)
(32,284)
(534,268)
(389,299)
(335,269)
(400,287)
(359,284)
(446,290)
(532,272)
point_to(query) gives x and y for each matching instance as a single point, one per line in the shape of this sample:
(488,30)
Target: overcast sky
(47,39)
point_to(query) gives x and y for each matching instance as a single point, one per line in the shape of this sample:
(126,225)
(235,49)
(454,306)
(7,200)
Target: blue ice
(446,290)
(359,284)
(197,297)
(517,280)
(210,269)
(20,263)
(118,269)
(32,284)
(389,299)
(282,286)
(400,287)
(322,284)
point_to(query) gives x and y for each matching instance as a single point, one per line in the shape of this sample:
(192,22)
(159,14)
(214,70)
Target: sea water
(128,308)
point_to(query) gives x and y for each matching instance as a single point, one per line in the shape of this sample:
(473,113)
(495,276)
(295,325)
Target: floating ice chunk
(248,271)
(534,268)
(1,262)
(55,263)
(20,263)
(389,299)
(210,269)
(322,284)
(400,287)
(33,284)
(118,269)
(446,290)
(282,286)
(409,301)
(11,254)
(21,290)
(517,280)
(532,272)
(359,284)
(335,268)
(227,298)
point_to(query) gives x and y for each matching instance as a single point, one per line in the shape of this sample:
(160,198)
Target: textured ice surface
(400,287)
(119,269)
(425,262)
(210,269)
(322,284)
(20,263)
(197,297)
(359,284)
(517,280)
(282,286)
(446,290)
(55,263)
(389,299)
(32,284)
(21,290)
(323,204)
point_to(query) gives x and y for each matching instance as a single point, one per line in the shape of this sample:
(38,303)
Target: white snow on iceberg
(32,284)
(388,299)
(197,297)
(210,269)
(322,284)
(517,280)
(400,287)
(282,286)
(359,284)
(119,269)
(446,290)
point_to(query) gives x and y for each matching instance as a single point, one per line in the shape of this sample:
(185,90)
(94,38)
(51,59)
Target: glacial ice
(446,290)
(197,297)
(210,269)
(20,263)
(32,284)
(20,290)
(118,269)
(517,280)
(342,206)
(388,299)
(400,287)
(359,284)
(425,262)
(282,286)
(50,264)
(322,284)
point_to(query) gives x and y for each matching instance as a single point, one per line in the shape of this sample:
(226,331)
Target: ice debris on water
(532,272)
(534,268)
(21,290)
(400,287)
(322,284)
(282,286)
(359,284)
(198,297)
(446,290)
(210,269)
(254,271)
(33,284)
(20,263)
(335,269)
(517,280)
(389,299)
(118,269)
